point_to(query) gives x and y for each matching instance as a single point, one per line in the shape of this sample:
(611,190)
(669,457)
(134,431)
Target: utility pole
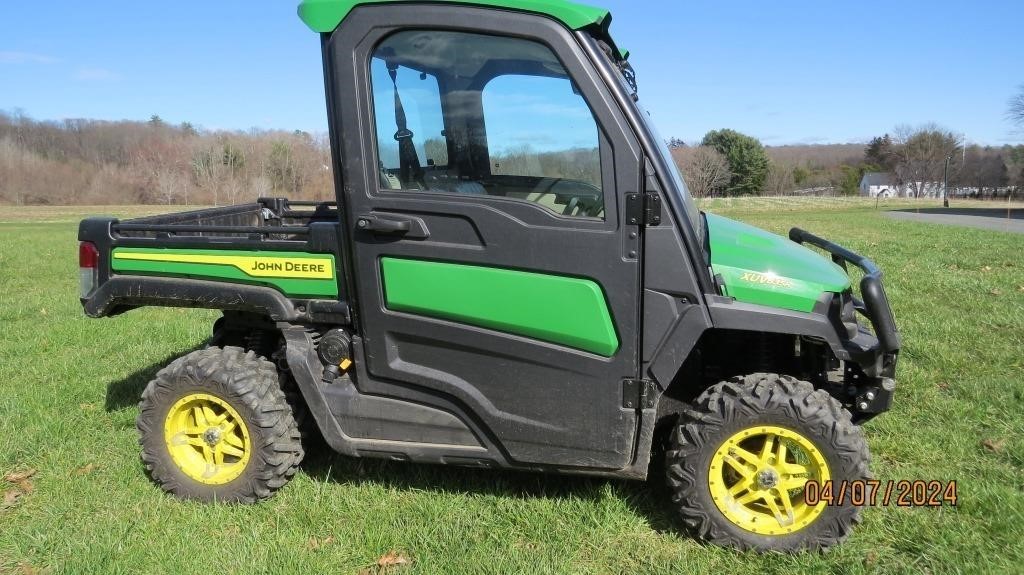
(945,182)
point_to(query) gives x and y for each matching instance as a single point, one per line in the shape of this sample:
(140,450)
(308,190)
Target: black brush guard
(875,305)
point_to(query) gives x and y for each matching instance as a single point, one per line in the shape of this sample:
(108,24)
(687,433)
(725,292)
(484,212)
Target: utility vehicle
(514,276)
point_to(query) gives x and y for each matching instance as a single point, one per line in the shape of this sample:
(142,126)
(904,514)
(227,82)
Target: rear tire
(215,425)
(269,345)
(721,497)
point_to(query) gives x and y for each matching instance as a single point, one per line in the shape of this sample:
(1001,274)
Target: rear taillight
(88,267)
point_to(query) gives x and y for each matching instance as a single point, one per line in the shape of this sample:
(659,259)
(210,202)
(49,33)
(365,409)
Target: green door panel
(296,274)
(556,309)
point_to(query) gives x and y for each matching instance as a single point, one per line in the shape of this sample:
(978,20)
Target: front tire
(215,426)
(740,456)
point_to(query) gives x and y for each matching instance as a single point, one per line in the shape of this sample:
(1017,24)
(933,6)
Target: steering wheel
(591,207)
(571,206)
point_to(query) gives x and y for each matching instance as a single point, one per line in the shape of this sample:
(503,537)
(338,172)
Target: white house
(883,184)
(875,184)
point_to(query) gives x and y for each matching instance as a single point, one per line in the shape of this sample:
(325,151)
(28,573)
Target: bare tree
(983,168)
(436,150)
(170,184)
(208,170)
(260,186)
(236,190)
(11,167)
(1016,110)
(706,170)
(779,180)
(921,155)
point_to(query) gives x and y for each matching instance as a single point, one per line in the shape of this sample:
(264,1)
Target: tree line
(100,162)
(729,163)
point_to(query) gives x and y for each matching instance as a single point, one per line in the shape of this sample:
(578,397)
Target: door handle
(381,225)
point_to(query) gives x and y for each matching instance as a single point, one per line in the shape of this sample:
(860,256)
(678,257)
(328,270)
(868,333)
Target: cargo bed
(274,257)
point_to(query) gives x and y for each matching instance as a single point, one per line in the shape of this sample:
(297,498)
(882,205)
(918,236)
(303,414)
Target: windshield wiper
(629,74)
(625,68)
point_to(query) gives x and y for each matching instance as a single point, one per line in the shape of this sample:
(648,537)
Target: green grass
(69,387)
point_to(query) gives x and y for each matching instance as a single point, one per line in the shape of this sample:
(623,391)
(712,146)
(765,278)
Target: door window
(538,126)
(484,115)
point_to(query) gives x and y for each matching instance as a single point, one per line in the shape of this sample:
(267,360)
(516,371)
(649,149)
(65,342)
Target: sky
(787,72)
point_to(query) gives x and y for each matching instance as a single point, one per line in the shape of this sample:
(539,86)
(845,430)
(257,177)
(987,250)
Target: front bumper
(875,355)
(875,305)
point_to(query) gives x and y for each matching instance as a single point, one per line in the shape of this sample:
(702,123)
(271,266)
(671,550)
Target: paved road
(985,218)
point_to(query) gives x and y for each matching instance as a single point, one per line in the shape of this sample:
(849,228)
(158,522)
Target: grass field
(69,387)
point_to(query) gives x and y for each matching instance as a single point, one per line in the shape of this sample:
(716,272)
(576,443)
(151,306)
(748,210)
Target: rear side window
(421,103)
(484,115)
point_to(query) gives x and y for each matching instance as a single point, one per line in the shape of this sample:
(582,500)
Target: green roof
(325,15)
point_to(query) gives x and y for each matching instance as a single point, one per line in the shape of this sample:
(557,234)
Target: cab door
(494,269)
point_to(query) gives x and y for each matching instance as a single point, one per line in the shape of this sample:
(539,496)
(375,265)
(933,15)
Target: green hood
(763,268)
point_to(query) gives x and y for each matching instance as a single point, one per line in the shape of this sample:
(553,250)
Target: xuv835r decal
(293,273)
(552,308)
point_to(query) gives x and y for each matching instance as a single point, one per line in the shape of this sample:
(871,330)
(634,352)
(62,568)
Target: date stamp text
(875,493)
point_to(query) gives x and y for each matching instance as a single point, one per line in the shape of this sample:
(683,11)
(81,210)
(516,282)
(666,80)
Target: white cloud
(12,57)
(96,74)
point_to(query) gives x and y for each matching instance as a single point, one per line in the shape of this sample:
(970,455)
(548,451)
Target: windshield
(629,82)
(689,205)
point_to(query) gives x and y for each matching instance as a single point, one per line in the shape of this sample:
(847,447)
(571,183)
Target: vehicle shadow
(127,392)
(647,499)
(1012,213)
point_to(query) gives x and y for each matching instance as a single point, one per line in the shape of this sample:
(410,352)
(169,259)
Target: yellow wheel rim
(207,439)
(757,479)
